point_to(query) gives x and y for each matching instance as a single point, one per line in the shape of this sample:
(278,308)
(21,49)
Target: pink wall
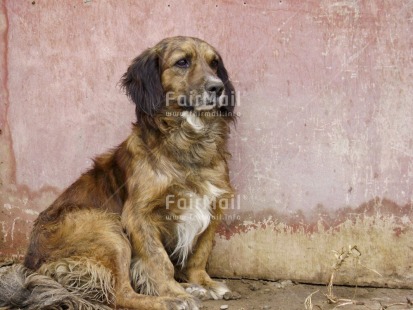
(322,152)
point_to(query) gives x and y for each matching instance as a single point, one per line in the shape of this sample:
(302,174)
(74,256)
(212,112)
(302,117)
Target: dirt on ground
(286,295)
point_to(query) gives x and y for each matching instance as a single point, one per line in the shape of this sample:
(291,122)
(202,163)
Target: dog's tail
(21,288)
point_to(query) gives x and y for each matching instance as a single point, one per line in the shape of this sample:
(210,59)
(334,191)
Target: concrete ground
(285,295)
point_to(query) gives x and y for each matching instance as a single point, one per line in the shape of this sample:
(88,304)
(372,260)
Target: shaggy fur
(146,213)
(24,289)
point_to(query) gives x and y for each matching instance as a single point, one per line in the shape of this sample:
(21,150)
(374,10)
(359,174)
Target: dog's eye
(183,63)
(214,64)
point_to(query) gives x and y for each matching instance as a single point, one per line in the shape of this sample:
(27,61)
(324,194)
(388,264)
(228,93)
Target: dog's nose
(215,86)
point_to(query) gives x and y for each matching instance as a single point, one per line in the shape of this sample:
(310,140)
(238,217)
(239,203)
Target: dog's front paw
(189,302)
(186,302)
(217,289)
(214,289)
(211,290)
(197,291)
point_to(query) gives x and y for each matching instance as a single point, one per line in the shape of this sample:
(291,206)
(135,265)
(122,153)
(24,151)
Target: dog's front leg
(195,269)
(152,271)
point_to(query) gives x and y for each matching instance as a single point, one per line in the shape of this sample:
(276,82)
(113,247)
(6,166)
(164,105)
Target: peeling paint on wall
(286,252)
(301,249)
(322,150)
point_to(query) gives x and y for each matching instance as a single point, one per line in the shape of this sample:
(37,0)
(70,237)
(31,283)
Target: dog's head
(181,73)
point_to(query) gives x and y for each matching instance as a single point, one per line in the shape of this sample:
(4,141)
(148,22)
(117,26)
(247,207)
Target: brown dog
(146,213)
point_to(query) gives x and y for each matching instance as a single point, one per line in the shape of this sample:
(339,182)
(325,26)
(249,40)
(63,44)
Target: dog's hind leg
(94,263)
(126,297)
(107,281)
(82,277)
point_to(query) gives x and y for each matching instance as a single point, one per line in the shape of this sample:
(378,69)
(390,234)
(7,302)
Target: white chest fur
(195,218)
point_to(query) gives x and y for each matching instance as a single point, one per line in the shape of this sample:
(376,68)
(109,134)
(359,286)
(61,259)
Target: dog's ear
(142,84)
(229,88)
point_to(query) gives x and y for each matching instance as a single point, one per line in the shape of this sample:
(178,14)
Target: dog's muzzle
(214,88)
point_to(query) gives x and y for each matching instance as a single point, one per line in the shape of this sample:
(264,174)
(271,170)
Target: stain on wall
(322,150)
(302,248)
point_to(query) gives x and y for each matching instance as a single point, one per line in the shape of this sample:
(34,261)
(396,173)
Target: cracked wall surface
(322,149)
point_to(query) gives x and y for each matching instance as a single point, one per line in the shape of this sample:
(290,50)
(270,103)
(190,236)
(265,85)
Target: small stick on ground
(308,303)
(408,303)
(341,257)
